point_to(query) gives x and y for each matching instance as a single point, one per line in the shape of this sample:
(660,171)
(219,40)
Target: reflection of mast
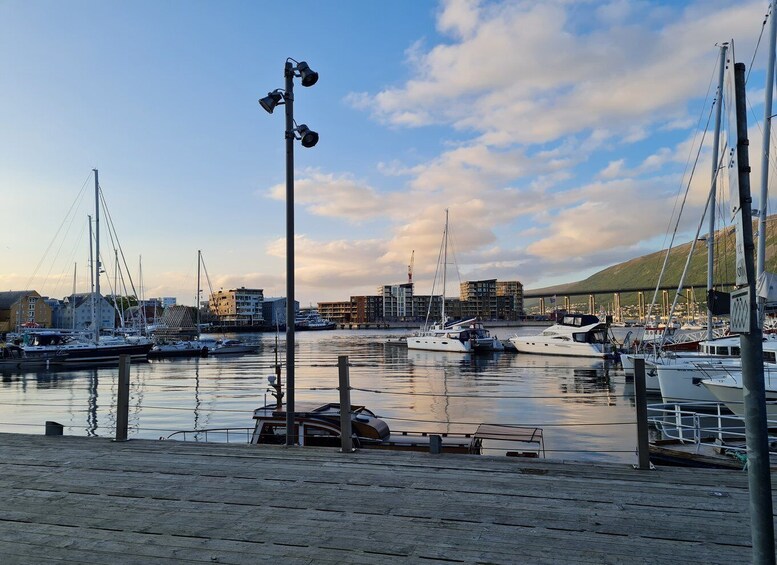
(91,412)
(196,394)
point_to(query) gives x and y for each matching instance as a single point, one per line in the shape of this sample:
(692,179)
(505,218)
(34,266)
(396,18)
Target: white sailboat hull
(438,343)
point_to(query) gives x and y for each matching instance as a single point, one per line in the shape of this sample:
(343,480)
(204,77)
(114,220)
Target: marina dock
(92,500)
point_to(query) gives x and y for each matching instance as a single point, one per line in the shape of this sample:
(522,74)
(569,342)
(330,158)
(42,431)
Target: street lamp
(308,138)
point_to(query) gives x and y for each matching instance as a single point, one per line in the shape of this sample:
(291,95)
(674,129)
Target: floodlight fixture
(309,76)
(307,136)
(270,101)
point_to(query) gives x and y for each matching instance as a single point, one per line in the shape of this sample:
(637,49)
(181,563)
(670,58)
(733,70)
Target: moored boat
(576,335)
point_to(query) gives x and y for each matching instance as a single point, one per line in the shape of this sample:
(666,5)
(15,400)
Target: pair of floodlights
(277,97)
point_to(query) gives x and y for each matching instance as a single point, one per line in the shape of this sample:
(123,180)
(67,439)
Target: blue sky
(556,132)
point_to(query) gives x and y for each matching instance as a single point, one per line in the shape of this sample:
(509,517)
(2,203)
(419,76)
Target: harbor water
(584,406)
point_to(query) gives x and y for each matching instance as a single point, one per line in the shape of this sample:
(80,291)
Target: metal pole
(346,445)
(640,391)
(97,297)
(714,188)
(761,256)
(756,433)
(122,399)
(288,97)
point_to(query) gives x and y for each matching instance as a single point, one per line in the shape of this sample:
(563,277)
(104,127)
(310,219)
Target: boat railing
(697,423)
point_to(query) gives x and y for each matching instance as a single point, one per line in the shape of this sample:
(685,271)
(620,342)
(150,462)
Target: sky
(559,135)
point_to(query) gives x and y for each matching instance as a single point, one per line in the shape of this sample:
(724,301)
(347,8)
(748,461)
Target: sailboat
(453,337)
(98,349)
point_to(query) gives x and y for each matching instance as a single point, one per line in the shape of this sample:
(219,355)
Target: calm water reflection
(585,407)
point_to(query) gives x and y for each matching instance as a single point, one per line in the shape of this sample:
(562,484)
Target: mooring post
(435,444)
(346,445)
(122,399)
(640,391)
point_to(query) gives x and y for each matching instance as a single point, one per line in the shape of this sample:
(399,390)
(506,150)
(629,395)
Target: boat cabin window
(321,437)
(274,434)
(590,337)
(735,351)
(770,357)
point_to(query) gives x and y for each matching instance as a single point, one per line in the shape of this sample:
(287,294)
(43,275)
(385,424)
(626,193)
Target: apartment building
(23,308)
(397,301)
(241,306)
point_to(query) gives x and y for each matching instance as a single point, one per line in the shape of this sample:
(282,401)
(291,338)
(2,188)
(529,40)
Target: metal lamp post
(308,138)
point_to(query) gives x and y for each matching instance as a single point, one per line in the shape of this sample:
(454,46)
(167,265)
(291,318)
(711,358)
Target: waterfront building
(274,311)
(75,312)
(397,301)
(339,312)
(240,306)
(23,308)
(478,299)
(509,300)
(167,301)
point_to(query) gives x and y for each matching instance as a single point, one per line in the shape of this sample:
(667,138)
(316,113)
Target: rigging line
(434,283)
(758,43)
(59,229)
(112,229)
(693,247)
(207,276)
(717,99)
(680,213)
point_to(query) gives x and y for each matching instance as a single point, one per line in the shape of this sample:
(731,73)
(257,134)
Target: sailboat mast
(714,189)
(444,265)
(761,250)
(197,300)
(73,297)
(97,297)
(91,272)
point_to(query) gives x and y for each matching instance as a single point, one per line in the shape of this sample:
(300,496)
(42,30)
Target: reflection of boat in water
(559,362)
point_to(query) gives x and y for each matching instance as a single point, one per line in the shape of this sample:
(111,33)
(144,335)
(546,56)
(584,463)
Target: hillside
(643,272)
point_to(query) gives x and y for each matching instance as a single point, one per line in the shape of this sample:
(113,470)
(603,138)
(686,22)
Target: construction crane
(410,267)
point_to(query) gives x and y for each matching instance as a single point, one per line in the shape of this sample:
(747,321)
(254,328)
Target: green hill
(643,272)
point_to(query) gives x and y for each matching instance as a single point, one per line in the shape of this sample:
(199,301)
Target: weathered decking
(94,501)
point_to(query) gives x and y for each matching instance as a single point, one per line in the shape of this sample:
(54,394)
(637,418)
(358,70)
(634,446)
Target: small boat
(451,338)
(576,335)
(180,348)
(680,378)
(231,347)
(483,341)
(320,426)
(14,357)
(311,320)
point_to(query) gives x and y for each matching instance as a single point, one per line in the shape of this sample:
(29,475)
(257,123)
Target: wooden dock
(87,500)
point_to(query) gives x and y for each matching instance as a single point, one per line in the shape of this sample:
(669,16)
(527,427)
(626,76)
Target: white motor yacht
(576,335)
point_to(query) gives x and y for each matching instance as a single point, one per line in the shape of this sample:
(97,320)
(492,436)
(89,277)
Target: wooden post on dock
(346,445)
(640,390)
(122,400)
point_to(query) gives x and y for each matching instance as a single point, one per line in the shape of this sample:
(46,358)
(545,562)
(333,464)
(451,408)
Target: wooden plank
(149,499)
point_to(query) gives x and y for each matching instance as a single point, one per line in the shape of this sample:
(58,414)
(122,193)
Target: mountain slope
(643,272)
